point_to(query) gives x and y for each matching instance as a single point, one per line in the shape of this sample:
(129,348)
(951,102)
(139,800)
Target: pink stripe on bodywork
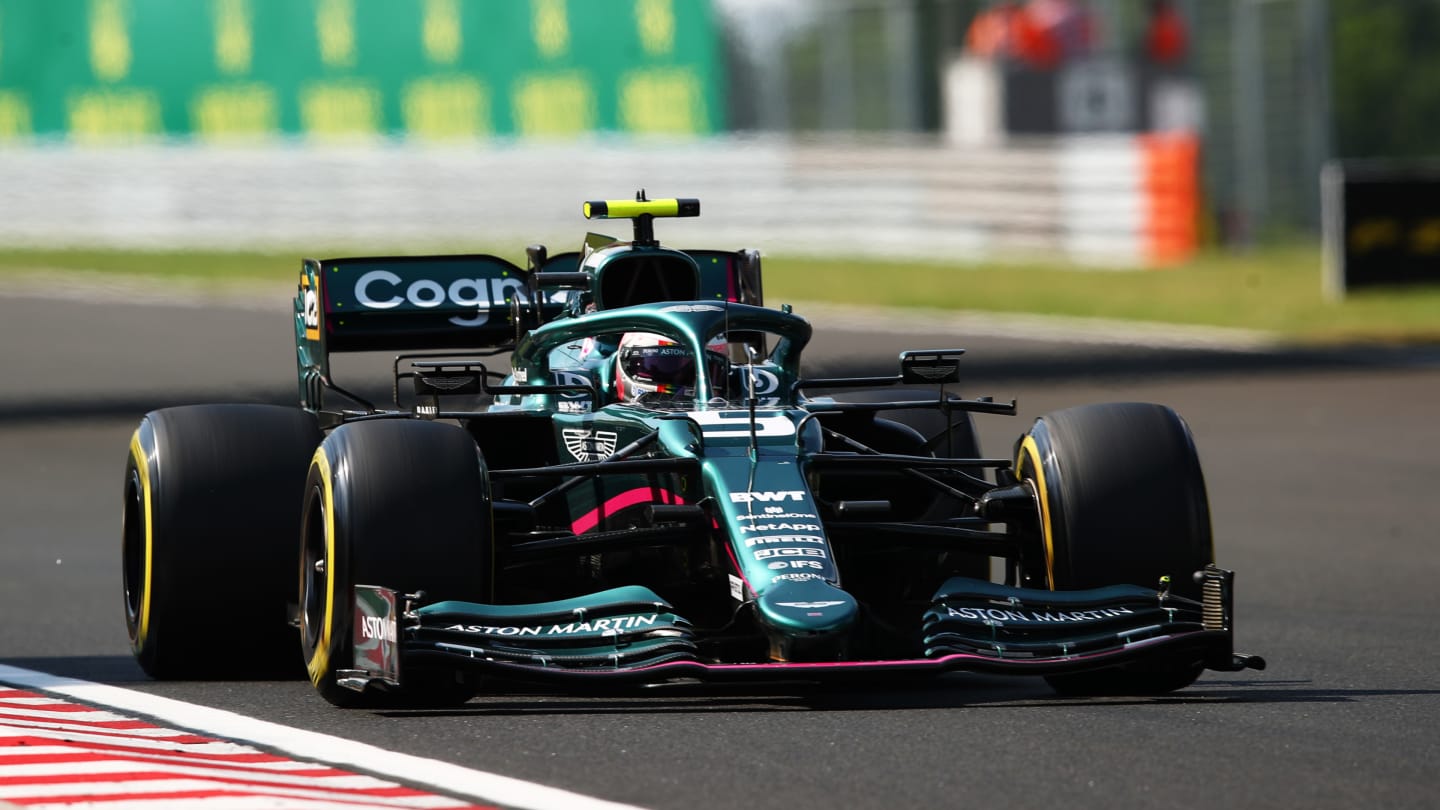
(624,500)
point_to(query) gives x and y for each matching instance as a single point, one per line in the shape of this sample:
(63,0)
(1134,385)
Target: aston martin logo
(693,308)
(809,605)
(589,445)
(447,383)
(933,373)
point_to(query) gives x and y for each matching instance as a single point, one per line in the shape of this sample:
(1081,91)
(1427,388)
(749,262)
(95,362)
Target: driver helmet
(647,363)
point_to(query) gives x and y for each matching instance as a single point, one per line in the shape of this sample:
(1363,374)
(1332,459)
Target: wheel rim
(132,550)
(1030,467)
(312,570)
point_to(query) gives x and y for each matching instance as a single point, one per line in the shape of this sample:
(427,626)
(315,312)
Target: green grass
(1272,289)
(1275,290)
(198,264)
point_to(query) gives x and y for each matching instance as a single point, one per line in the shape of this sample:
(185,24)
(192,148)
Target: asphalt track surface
(1322,471)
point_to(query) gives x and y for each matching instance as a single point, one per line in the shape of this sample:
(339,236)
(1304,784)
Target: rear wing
(725,275)
(471,303)
(402,303)
(409,302)
(730,275)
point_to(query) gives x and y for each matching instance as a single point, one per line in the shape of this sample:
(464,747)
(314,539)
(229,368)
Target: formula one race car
(651,490)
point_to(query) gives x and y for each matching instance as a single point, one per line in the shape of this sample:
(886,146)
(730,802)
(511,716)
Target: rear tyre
(400,504)
(210,526)
(1122,501)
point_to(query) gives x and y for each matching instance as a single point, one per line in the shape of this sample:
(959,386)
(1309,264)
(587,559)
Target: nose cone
(807,610)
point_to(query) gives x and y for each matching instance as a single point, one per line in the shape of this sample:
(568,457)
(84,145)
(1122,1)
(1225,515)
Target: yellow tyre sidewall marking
(142,465)
(1030,456)
(320,658)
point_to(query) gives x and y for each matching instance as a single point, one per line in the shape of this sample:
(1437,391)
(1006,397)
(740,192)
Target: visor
(659,365)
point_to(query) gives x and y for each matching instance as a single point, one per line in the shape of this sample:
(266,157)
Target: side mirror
(748,272)
(562,281)
(536,256)
(930,366)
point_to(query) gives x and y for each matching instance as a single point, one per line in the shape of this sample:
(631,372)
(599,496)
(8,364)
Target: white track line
(310,745)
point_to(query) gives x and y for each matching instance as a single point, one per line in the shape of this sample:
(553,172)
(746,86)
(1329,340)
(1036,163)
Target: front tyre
(1122,501)
(403,505)
(209,529)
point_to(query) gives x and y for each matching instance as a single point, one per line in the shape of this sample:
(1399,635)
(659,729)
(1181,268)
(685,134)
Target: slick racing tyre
(1122,501)
(403,505)
(208,538)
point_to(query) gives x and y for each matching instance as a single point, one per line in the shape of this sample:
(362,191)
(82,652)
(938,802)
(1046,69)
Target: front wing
(630,635)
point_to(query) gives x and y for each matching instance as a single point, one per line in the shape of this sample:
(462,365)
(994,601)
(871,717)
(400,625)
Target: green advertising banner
(102,70)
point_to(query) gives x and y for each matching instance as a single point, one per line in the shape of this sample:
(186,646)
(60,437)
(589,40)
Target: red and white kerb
(58,754)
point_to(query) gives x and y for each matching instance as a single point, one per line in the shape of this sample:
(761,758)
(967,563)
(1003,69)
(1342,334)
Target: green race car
(609,467)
